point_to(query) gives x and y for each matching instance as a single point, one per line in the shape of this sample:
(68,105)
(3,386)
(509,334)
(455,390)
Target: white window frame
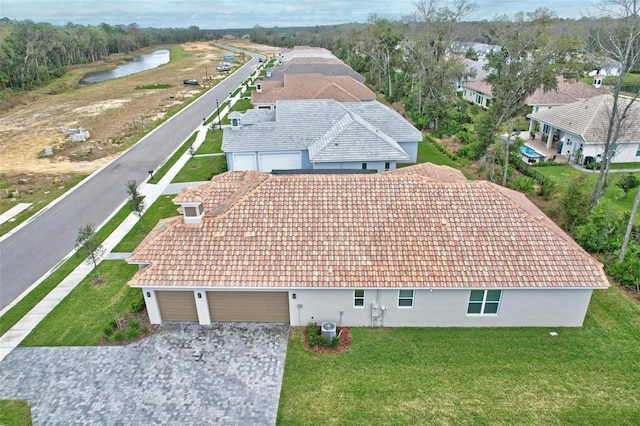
(412,298)
(356,297)
(483,303)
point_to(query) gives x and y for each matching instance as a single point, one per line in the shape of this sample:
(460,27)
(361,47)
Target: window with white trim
(358,298)
(484,302)
(405,298)
(638,151)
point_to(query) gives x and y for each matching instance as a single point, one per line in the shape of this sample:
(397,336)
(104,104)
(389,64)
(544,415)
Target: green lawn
(428,153)
(212,143)
(241,106)
(15,413)
(162,208)
(159,174)
(407,376)
(562,174)
(15,314)
(200,169)
(80,318)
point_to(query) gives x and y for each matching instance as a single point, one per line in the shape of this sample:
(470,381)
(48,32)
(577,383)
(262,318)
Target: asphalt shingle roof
(363,131)
(589,119)
(388,230)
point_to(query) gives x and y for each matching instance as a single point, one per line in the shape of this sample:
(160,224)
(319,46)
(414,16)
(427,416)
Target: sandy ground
(113,112)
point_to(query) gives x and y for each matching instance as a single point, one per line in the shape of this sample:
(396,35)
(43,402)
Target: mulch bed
(344,344)
(140,316)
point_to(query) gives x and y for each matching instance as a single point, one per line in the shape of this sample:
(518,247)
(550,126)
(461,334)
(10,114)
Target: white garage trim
(280,161)
(244,161)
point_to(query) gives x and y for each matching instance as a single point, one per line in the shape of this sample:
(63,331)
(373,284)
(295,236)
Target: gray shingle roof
(589,119)
(330,130)
(386,119)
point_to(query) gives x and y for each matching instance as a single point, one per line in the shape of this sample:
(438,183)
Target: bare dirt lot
(113,112)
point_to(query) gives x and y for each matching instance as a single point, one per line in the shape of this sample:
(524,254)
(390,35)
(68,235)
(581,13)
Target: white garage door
(280,161)
(244,162)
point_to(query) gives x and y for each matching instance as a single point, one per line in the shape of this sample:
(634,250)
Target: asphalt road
(33,250)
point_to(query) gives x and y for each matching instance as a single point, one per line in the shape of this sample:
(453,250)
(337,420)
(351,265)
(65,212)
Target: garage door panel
(244,162)
(248,306)
(280,161)
(177,305)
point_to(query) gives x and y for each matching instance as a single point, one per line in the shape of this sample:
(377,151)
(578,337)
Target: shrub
(627,182)
(132,333)
(593,166)
(602,232)
(117,336)
(324,341)
(626,273)
(524,184)
(134,324)
(137,303)
(312,331)
(334,342)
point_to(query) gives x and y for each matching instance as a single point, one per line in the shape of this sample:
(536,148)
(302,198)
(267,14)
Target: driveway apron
(225,373)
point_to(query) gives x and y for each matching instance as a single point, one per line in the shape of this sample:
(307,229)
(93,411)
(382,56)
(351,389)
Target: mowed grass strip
(80,318)
(20,309)
(212,143)
(159,174)
(162,208)
(199,169)
(15,412)
(588,375)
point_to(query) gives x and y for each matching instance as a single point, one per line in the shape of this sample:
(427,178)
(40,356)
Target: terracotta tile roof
(566,92)
(432,171)
(341,88)
(387,230)
(479,86)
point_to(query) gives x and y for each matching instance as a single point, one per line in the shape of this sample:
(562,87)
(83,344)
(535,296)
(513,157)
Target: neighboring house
(319,134)
(340,88)
(474,70)
(567,91)
(306,60)
(580,129)
(477,92)
(420,246)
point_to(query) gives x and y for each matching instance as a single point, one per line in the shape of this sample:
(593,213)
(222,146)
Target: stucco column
(202,306)
(153,310)
(530,125)
(550,136)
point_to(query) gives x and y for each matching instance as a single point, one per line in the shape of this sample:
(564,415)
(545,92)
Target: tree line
(412,62)
(31,54)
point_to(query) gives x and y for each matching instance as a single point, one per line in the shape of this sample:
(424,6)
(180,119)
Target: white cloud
(220,14)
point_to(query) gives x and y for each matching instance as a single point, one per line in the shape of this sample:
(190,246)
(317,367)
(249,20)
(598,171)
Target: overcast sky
(221,14)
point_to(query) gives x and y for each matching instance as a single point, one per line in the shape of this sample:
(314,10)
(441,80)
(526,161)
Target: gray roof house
(581,129)
(319,134)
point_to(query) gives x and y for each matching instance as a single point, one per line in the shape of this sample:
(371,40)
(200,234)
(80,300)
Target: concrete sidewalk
(12,338)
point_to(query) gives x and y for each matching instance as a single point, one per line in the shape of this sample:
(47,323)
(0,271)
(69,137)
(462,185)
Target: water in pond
(138,64)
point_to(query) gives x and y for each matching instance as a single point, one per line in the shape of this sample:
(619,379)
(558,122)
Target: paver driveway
(226,373)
